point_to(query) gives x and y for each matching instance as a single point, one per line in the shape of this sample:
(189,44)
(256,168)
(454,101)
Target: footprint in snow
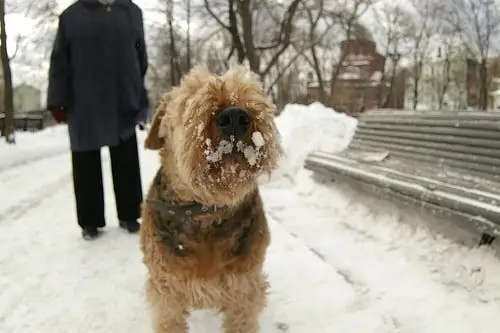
(282,327)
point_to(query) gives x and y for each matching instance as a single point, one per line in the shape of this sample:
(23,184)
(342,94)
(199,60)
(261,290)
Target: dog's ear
(154,139)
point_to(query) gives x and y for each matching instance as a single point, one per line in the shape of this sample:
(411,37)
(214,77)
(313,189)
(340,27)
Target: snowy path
(327,275)
(334,266)
(33,182)
(34,147)
(52,281)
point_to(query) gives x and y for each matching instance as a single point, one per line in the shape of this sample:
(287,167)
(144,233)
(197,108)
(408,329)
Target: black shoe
(131,226)
(90,233)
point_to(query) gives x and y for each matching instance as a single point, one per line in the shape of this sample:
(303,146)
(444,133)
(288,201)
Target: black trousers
(88,183)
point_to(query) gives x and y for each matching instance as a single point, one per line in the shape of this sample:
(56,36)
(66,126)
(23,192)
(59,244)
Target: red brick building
(360,84)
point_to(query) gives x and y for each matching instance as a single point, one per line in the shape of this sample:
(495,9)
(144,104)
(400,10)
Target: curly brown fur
(213,259)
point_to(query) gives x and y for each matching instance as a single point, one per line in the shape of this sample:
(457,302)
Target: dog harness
(173,219)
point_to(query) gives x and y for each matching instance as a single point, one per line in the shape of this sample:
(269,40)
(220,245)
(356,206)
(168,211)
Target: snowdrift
(305,128)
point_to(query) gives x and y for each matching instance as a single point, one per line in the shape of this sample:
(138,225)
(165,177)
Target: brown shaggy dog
(204,234)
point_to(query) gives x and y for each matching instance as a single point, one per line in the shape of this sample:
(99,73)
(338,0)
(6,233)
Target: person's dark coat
(97,70)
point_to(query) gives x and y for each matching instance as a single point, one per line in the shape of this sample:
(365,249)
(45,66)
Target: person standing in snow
(96,85)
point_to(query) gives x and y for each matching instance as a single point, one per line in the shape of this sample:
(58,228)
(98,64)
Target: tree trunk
(417,71)
(313,21)
(443,89)
(390,96)
(319,76)
(382,90)
(8,130)
(188,36)
(176,71)
(483,77)
(246,16)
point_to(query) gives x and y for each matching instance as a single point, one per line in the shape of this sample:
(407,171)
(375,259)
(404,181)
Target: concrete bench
(446,161)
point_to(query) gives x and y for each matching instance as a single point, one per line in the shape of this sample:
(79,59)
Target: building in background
(445,81)
(494,97)
(27,99)
(365,80)
(450,80)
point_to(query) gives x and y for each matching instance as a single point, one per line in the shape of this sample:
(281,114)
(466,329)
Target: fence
(26,122)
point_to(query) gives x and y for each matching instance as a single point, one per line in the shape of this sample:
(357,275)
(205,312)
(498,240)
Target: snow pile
(308,128)
(406,279)
(32,146)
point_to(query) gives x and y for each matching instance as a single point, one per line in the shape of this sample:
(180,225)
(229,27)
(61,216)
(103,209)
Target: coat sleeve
(143,63)
(141,43)
(59,85)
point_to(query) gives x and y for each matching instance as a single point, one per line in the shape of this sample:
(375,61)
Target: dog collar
(188,210)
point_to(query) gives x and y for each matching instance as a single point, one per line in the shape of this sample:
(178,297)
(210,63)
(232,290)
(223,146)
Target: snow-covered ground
(34,146)
(334,265)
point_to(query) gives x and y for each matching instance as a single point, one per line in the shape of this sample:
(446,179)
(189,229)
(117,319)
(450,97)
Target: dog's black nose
(234,121)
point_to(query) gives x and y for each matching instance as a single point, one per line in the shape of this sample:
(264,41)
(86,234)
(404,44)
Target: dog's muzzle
(234,121)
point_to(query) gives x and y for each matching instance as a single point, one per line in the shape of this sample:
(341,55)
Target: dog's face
(220,131)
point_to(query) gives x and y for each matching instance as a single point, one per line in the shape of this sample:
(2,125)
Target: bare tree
(165,58)
(8,96)
(288,88)
(174,49)
(213,59)
(170,52)
(391,28)
(317,16)
(36,47)
(478,24)
(237,19)
(268,16)
(308,30)
(347,13)
(314,53)
(175,68)
(447,57)
(421,31)
(188,7)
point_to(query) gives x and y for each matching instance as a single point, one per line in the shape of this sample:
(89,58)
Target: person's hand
(59,114)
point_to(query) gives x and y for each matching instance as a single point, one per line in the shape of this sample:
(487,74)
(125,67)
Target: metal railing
(25,122)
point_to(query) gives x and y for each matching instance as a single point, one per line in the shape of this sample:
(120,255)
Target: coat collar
(117,2)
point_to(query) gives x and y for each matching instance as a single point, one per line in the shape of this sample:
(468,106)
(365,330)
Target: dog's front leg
(169,318)
(243,312)
(241,321)
(171,321)
(169,315)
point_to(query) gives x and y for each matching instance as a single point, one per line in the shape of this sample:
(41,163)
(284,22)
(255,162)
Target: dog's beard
(215,166)
(232,150)
(231,164)
(224,170)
